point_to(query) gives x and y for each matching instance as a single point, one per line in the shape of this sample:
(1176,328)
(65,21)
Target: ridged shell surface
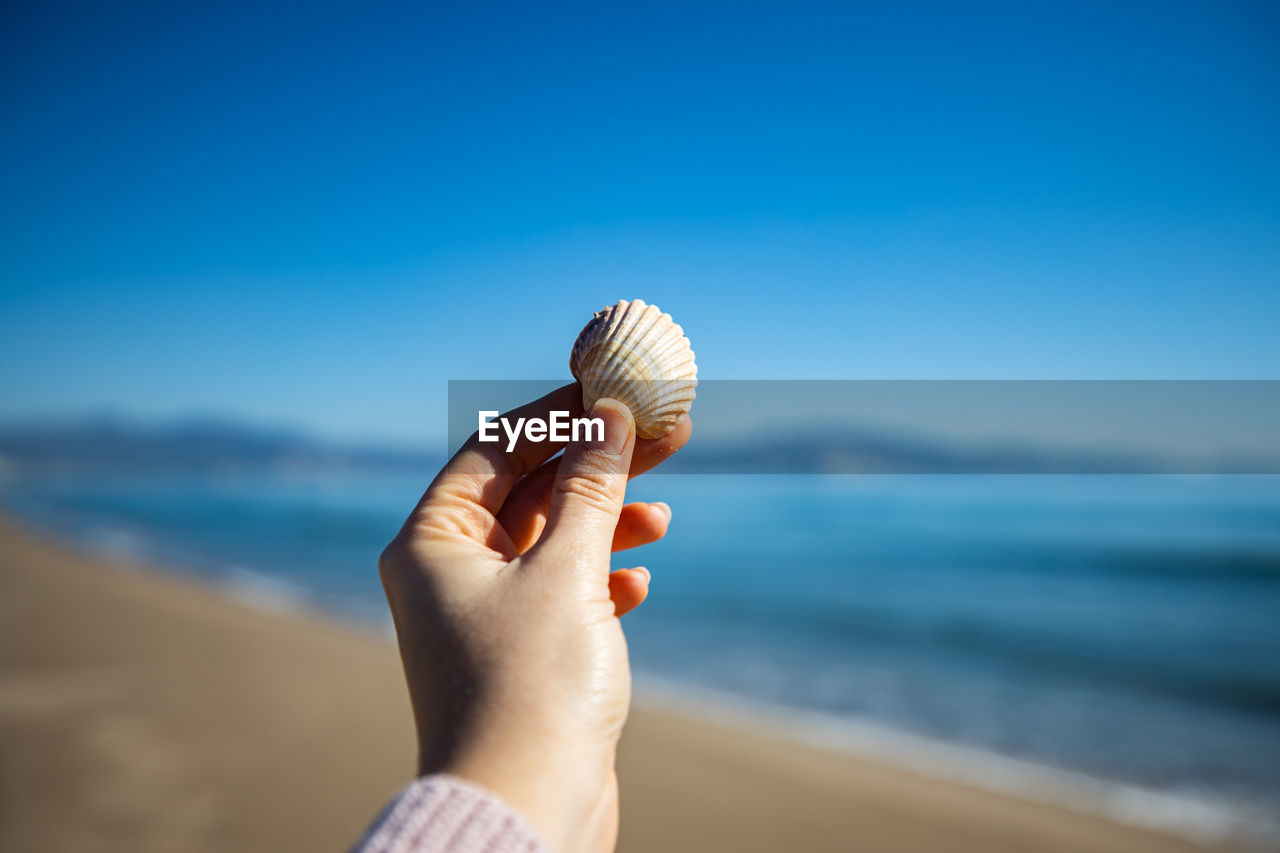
(637,355)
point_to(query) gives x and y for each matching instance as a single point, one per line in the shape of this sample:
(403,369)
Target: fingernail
(617,425)
(666,510)
(647,576)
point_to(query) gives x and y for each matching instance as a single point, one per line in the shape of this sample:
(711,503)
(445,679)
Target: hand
(507,617)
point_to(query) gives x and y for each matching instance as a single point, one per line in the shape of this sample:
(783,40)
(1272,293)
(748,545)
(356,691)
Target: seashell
(639,356)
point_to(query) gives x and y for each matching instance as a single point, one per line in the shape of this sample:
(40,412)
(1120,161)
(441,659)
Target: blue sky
(315,217)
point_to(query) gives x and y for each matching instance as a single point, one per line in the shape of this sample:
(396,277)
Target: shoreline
(1191,817)
(692,762)
(1197,818)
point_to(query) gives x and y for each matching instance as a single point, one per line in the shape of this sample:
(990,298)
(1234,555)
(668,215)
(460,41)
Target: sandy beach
(142,712)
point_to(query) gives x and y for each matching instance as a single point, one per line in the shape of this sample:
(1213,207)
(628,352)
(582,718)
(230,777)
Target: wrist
(558,787)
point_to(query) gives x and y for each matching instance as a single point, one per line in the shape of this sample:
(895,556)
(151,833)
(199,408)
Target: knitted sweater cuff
(443,813)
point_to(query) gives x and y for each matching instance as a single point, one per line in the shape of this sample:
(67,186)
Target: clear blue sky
(315,216)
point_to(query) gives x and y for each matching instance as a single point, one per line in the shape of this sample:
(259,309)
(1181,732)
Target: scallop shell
(639,356)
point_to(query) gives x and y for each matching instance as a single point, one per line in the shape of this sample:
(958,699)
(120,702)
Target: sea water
(1122,627)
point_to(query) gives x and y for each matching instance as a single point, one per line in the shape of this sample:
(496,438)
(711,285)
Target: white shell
(637,355)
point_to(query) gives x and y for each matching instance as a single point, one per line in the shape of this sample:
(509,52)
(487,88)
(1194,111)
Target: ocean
(1103,637)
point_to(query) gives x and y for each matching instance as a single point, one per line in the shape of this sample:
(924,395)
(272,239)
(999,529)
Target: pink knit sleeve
(442,813)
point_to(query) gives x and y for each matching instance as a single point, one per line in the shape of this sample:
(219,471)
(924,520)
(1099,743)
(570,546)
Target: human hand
(507,617)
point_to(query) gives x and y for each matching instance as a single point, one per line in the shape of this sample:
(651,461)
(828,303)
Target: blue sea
(1110,628)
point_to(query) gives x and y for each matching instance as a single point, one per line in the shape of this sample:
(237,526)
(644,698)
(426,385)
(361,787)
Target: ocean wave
(1209,563)
(1246,683)
(264,592)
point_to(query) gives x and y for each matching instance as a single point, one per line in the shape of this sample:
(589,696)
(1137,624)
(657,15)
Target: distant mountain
(112,445)
(850,450)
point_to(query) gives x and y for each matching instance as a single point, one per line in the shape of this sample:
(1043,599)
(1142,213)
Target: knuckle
(446,515)
(390,558)
(466,522)
(591,489)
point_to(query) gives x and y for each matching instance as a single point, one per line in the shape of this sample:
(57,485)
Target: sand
(142,712)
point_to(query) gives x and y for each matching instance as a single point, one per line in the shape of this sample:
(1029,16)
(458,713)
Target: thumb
(590,487)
